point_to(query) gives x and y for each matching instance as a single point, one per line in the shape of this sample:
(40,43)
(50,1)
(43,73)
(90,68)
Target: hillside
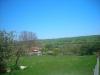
(74,45)
(70,39)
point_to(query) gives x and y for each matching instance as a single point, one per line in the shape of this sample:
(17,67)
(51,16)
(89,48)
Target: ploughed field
(56,65)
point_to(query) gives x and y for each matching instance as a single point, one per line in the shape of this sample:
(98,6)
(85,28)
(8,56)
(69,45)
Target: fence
(96,69)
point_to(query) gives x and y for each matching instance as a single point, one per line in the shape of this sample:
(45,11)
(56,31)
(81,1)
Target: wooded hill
(83,45)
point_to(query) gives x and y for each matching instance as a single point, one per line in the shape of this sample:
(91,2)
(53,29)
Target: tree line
(84,45)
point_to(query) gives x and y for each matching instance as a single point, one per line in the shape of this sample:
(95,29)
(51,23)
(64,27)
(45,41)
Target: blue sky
(51,18)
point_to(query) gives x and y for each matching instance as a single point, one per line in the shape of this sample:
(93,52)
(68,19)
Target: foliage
(12,49)
(6,48)
(84,45)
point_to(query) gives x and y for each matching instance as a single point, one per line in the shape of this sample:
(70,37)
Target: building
(36,51)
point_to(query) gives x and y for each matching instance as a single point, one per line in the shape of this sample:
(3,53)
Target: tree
(28,39)
(23,46)
(6,48)
(14,48)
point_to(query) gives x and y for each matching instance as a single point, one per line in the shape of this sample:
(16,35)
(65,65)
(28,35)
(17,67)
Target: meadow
(56,65)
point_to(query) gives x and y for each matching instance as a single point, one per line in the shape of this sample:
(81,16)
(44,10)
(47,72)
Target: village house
(36,51)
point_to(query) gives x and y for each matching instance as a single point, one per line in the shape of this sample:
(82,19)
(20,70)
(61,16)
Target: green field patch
(57,65)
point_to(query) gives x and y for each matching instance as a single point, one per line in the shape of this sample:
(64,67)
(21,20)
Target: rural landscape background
(49,37)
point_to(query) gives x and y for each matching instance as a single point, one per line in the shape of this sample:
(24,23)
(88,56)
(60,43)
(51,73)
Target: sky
(51,18)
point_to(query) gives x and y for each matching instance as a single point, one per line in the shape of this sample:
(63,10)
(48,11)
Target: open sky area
(51,18)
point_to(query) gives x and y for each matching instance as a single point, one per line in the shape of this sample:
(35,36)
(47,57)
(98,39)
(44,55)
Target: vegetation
(84,45)
(11,49)
(57,65)
(78,63)
(24,44)
(6,49)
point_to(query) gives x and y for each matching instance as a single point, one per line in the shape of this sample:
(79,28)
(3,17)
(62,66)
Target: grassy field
(57,65)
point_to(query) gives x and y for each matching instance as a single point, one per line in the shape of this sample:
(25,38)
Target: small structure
(36,51)
(23,67)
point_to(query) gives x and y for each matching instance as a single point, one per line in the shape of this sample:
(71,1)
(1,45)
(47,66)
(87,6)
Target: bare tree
(26,41)
(27,36)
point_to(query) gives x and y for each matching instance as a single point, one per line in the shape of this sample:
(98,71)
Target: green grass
(57,65)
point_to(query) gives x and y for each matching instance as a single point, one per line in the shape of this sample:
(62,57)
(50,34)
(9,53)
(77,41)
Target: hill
(73,45)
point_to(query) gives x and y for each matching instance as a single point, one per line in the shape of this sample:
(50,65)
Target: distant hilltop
(93,37)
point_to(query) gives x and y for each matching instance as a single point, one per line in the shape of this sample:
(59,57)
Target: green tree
(6,49)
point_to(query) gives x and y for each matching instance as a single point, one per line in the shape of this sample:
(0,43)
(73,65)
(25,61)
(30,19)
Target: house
(36,51)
